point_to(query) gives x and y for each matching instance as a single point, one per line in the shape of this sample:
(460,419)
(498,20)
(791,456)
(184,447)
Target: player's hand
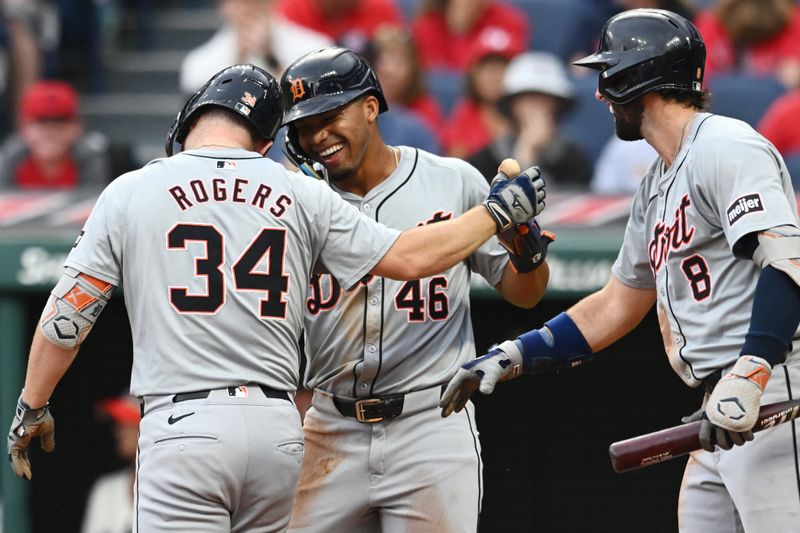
(526,244)
(29,423)
(516,200)
(503,362)
(732,409)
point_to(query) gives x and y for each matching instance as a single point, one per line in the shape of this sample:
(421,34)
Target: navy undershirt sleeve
(775,316)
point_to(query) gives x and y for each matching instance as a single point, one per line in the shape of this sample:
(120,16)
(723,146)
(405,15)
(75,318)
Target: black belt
(711,381)
(370,410)
(200,394)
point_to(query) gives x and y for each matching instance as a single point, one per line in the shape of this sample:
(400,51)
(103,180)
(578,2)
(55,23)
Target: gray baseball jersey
(679,240)
(726,181)
(215,249)
(389,337)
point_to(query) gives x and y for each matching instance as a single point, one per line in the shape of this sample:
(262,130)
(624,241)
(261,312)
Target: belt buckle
(360,407)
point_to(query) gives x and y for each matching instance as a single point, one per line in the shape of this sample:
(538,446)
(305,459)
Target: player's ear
(263,146)
(371,108)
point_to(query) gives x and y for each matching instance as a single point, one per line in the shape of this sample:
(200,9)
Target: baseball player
(215,246)
(379,354)
(713,239)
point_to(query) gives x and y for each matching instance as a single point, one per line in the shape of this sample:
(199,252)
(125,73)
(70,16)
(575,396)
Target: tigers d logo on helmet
(298,90)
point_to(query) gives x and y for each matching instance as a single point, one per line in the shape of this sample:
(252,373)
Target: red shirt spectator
(442,46)
(476,119)
(343,20)
(778,55)
(51,150)
(397,65)
(780,123)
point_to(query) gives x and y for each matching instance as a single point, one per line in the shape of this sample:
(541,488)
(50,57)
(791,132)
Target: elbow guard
(73,307)
(556,346)
(780,248)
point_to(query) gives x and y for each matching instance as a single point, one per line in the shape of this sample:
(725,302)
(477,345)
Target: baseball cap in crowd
(123,409)
(537,72)
(494,41)
(50,99)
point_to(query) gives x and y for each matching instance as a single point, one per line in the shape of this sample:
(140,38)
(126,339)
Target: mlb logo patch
(226,165)
(744,205)
(238,392)
(243,109)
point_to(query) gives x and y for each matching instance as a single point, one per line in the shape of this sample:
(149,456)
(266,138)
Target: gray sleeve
(98,249)
(351,244)
(632,267)
(491,258)
(741,179)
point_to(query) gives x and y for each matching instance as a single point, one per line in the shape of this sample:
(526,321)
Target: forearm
(610,313)
(47,364)
(571,338)
(427,250)
(523,289)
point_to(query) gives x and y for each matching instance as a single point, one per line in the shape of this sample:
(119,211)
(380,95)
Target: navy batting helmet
(326,79)
(644,50)
(246,90)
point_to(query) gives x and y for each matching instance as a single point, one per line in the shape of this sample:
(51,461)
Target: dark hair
(701,101)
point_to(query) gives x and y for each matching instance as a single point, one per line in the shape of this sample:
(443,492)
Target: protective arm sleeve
(775,316)
(557,345)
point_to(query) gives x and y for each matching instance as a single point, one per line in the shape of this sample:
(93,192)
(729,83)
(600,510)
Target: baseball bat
(660,446)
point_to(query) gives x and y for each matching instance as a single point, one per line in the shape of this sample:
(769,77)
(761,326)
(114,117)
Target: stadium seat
(744,96)
(562,27)
(588,122)
(446,86)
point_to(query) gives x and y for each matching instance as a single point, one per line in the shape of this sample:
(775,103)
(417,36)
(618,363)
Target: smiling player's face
(339,138)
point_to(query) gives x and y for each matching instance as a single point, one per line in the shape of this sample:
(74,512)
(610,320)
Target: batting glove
(516,200)
(503,362)
(526,244)
(732,409)
(29,423)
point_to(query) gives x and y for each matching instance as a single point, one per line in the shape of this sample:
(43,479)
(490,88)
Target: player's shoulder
(446,167)
(718,134)
(125,184)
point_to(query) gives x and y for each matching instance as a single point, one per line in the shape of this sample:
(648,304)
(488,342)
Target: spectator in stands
(446,28)
(780,124)
(109,508)
(51,150)
(20,64)
(402,127)
(621,165)
(253,32)
(753,36)
(351,23)
(536,91)
(476,119)
(397,66)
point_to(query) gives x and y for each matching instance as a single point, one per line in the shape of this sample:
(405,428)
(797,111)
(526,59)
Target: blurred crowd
(476,79)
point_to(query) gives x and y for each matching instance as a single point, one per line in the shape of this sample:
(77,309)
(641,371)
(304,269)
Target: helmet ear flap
(177,133)
(297,157)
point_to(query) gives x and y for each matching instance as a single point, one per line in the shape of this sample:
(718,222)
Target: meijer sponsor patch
(744,205)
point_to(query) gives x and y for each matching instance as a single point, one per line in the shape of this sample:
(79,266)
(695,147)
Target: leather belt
(200,394)
(370,410)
